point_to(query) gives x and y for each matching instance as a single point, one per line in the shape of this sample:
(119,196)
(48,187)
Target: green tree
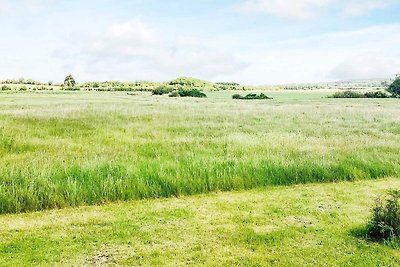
(394,88)
(69,81)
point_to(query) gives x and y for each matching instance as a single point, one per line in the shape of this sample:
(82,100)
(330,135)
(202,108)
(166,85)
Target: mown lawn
(302,225)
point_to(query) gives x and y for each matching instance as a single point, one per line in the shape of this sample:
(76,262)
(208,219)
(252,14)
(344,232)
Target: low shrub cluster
(226,86)
(162,90)
(190,93)
(22,81)
(25,88)
(251,96)
(377,94)
(43,88)
(6,88)
(385,221)
(354,94)
(70,88)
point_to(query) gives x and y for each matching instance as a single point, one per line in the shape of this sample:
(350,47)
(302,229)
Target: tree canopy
(394,88)
(69,81)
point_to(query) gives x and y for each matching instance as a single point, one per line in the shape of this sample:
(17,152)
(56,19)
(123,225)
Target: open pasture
(62,149)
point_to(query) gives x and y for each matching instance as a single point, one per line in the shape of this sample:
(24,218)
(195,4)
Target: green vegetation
(124,86)
(144,86)
(188,82)
(251,96)
(312,225)
(185,82)
(191,93)
(6,88)
(385,221)
(372,84)
(377,94)
(174,92)
(69,81)
(356,94)
(394,88)
(22,81)
(225,86)
(98,147)
(162,90)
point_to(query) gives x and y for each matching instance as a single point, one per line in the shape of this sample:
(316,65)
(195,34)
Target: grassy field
(62,149)
(303,225)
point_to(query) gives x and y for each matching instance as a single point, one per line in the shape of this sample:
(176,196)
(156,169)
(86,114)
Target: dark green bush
(377,94)
(69,81)
(75,88)
(23,88)
(237,96)
(191,93)
(385,221)
(251,96)
(394,88)
(347,94)
(162,90)
(354,94)
(5,88)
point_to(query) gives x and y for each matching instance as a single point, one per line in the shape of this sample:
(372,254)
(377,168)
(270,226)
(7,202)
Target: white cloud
(366,53)
(133,50)
(366,66)
(358,8)
(8,7)
(36,6)
(5,7)
(295,9)
(309,9)
(372,53)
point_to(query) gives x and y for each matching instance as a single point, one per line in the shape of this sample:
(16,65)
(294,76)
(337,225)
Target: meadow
(301,225)
(67,149)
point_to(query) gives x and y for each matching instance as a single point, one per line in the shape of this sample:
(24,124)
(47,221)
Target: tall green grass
(61,150)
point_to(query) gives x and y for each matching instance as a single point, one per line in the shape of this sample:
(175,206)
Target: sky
(253,42)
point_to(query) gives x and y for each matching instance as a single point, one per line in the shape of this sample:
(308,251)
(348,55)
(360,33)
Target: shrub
(237,96)
(5,88)
(353,94)
(377,94)
(23,88)
(76,88)
(347,94)
(394,88)
(251,96)
(191,93)
(162,90)
(187,82)
(385,221)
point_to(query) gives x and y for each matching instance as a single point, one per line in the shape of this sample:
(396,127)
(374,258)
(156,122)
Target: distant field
(61,149)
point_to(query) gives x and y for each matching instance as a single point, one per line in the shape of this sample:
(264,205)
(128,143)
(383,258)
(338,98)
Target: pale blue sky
(248,41)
